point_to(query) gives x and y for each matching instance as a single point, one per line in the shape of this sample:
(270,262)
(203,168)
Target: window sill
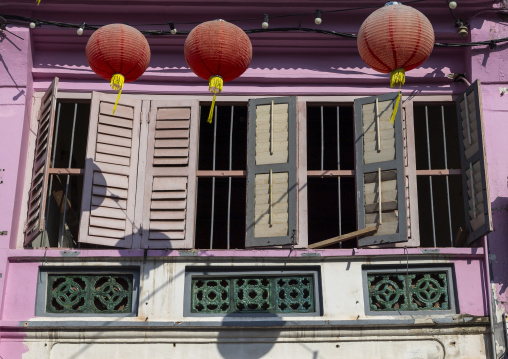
(308,254)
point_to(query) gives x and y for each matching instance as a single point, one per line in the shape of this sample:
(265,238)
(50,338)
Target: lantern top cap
(393,3)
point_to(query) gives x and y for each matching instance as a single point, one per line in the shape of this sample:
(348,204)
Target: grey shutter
(474,164)
(38,185)
(271,125)
(109,188)
(379,149)
(170,175)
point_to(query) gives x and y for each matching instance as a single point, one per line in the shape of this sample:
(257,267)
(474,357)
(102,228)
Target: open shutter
(109,188)
(38,185)
(170,175)
(381,195)
(271,172)
(474,164)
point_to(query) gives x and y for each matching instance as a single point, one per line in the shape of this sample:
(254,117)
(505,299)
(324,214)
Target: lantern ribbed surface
(395,36)
(218,48)
(118,49)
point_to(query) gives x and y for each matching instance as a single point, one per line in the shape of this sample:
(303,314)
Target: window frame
(302,172)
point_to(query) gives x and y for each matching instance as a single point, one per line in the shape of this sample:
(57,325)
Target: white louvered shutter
(381,197)
(38,186)
(111,168)
(170,175)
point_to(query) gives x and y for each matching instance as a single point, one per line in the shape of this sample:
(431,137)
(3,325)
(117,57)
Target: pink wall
(491,67)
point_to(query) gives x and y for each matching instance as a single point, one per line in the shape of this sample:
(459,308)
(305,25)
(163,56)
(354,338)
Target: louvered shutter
(474,164)
(381,194)
(38,185)
(170,175)
(271,172)
(109,188)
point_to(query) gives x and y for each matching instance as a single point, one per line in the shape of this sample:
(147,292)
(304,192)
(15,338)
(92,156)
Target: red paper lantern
(119,53)
(218,52)
(395,39)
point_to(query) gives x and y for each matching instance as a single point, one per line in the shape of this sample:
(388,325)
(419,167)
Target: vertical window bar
(322,140)
(338,167)
(447,182)
(68,176)
(53,155)
(213,178)
(230,168)
(430,177)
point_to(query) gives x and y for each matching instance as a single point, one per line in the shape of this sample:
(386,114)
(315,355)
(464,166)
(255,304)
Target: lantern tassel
(117,84)
(38,2)
(214,85)
(397,77)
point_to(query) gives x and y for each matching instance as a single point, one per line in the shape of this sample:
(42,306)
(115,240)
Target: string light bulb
(318,20)
(81,28)
(452,5)
(172,27)
(264,25)
(32,25)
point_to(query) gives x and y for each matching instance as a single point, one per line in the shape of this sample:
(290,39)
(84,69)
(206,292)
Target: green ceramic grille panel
(282,294)
(101,294)
(408,292)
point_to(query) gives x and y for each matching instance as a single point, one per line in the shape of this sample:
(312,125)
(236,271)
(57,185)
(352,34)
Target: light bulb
(32,25)
(264,25)
(452,5)
(318,20)
(173,31)
(80,31)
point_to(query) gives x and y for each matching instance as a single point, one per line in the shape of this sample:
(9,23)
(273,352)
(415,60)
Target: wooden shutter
(271,172)
(38,185)
(170,175)
(109,188)
(474,164)
(381,194)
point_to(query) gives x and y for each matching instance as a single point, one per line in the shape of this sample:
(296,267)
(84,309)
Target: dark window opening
(331,199)
(222,147)
(440,197)
(63,201)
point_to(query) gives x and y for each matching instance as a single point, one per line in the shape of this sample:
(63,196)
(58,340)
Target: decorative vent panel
(86,293)
(414,291)
(259,294)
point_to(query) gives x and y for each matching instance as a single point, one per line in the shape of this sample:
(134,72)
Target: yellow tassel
(214,85)
(397,77)
(117,84)
(38,2)
(392,120)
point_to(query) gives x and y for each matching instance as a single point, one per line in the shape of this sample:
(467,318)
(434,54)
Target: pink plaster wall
(491,66)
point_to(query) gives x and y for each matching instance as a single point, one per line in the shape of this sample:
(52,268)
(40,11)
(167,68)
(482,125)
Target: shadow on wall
(234,332)
(498,246)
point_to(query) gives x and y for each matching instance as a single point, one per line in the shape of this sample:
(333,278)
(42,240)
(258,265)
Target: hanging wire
(40,22)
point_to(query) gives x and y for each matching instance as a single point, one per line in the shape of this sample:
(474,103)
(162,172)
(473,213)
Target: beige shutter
(38,185)
(271,172)
(111,167)
(170,175)
(475,178)
(380,179)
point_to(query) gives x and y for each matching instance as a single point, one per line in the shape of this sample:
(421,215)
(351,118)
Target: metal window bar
(430,177)
(62,231)
(322,141)
(45,239)
(213,178)
(447,181)
(230,168)
(338,167)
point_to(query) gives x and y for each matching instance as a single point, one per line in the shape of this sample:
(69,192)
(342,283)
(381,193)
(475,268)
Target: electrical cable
(84,26)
